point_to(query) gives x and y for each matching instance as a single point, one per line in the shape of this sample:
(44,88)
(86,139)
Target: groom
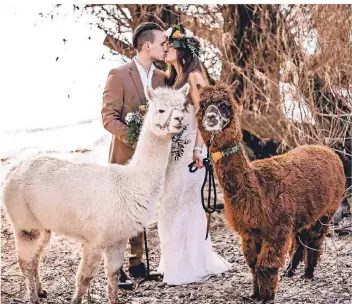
(123,93)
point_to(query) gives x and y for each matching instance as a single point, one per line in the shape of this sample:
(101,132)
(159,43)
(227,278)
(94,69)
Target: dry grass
(332,283)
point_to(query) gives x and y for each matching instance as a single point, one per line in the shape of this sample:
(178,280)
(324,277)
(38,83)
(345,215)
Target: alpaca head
(166,109)
(218,115)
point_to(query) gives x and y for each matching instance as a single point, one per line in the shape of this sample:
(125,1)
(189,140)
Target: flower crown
(176,35)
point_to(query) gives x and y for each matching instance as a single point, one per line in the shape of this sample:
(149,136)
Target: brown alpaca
(272,203)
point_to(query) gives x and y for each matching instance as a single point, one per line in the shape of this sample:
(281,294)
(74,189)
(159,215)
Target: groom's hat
(145,26)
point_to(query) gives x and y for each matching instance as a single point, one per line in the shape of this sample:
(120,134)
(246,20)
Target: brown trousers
(136,244)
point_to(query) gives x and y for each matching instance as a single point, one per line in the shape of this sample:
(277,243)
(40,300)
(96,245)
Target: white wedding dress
(186,256)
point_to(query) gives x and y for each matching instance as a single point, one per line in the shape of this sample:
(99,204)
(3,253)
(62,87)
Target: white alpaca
(102,206)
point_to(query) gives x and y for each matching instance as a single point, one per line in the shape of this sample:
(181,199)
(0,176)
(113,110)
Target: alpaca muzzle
(178,118)
(213,120)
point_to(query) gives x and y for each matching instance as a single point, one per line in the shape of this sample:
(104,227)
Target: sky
(46,82)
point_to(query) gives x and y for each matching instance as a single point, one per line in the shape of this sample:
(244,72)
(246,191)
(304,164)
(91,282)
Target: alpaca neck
(146,171)
(152,152)
(237,177)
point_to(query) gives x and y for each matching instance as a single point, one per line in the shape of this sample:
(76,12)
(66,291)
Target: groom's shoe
(138,271)
(155,275)
(124,281)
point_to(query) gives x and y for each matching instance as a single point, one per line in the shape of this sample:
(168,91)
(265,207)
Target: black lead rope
(209,176)
(149,275)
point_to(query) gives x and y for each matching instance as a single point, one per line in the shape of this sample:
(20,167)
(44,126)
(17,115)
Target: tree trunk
(249,55)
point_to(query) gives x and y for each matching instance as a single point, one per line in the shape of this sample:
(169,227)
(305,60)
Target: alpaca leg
(316,236)
(270,259)
(88,266)
(113,264)
(297,252)
(251,249)
(255,295)
(28,247)
(45,238)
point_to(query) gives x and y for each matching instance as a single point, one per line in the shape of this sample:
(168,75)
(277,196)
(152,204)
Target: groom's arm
(112,106)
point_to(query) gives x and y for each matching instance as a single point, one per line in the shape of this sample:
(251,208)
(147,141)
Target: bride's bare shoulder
(196,78)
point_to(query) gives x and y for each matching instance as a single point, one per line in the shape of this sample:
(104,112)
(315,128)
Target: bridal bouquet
(134,121)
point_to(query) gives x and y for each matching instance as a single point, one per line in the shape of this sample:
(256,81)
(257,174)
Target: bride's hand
(198,158)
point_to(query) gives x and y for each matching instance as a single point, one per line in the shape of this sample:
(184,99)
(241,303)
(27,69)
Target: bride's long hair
(188,63)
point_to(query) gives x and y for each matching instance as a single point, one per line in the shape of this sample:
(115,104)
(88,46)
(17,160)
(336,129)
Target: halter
(223,123)
(229,151)
(167,122)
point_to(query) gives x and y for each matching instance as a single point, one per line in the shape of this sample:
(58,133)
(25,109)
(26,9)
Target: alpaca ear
(149,92)
(233,86)
(185,89)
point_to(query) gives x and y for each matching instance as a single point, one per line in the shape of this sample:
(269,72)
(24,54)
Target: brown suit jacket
(123,93)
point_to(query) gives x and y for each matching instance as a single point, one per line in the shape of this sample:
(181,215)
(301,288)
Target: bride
(186,256)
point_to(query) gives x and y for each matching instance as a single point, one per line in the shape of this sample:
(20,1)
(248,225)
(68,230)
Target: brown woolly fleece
(277,204)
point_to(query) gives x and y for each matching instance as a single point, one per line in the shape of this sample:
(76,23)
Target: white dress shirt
(146,79)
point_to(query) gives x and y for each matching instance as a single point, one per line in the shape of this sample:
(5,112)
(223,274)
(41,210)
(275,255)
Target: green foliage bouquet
(134,121)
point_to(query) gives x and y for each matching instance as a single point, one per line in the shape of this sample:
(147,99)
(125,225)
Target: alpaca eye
(223,107)
(161,111)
